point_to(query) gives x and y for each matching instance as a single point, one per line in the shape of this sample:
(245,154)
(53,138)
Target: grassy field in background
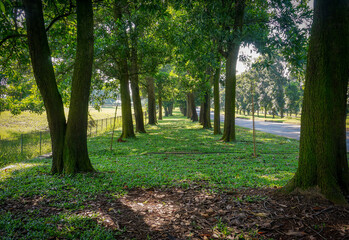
(13,125)
(174,153)
(290,120)
(287,119)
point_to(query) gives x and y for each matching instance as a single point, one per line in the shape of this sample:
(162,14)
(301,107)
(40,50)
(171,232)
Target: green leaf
(2,7)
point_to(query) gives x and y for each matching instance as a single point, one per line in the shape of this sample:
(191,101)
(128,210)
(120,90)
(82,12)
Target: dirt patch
(198,214)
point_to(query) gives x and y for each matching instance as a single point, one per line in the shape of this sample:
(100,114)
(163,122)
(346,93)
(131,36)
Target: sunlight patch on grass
(7,171)
(178,155)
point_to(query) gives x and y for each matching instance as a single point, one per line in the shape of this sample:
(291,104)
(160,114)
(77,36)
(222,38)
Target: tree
(217,117)
(134,76)
(69,140)
(322,160)
(127,123)
(293,97)
(275,73)
(151,100)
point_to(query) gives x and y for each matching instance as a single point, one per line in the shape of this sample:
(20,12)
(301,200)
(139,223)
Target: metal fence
(33,144)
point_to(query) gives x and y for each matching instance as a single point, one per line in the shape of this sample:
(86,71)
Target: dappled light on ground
(178,181)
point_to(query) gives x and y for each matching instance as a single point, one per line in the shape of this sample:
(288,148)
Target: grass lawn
(289,120)
(13,125)
(176,180)
(174,154)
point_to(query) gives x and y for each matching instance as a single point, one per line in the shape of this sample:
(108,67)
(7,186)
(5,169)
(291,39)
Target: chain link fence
(33,144)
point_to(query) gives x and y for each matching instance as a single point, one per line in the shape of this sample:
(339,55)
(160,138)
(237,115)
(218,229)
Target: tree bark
(75,147)
(323,156)
(206,118)
(217,112)
(201,115)
(137,105)
(183,108)
(170,109)
(45,79)
(127,123)
(194,114)
(167,112)
(151,100)
(65,152)
(189,108)
(230,92)
(160,107)
(230,77)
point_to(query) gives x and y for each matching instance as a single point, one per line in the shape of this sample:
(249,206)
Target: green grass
(13,125)
(21,144)
(175,153)
(289,120)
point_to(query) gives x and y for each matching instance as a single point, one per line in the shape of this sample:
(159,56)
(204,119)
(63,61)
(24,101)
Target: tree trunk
(189,107)
(151,101)
(167,113)
(45,79)
(160,107)
(63,160)
(137,105)
(170,109)
(201,115)
(265,112)
(127,123)
(217,112)
(75,147)
(194,114)
(183,108)
(206,118)
(230,77)
(323,155)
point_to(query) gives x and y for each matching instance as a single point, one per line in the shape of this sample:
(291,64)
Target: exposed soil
(197,214)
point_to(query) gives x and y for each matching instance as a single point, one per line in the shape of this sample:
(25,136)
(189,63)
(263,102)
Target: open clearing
(13,125)
(175,182)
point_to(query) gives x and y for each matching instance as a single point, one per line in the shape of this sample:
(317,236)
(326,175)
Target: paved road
(281,129)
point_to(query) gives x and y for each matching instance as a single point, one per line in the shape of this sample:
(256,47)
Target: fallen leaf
(294,233)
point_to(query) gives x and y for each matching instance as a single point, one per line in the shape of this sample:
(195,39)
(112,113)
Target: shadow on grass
(140,214)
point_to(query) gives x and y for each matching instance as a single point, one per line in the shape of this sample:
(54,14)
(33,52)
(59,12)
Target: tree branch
(11,36)
(47,28)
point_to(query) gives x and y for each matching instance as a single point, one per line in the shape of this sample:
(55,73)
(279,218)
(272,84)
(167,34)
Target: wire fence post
(21,143)
(40,141)
(96,126)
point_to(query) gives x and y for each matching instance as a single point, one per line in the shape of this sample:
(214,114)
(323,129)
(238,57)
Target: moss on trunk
(230,92)
(75,146)
(217,117)
(323,157)
(137,105)
(206,118)
(69,144)
(230,77)
(151,100)
(127,123)
(192,111)
(160,107)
